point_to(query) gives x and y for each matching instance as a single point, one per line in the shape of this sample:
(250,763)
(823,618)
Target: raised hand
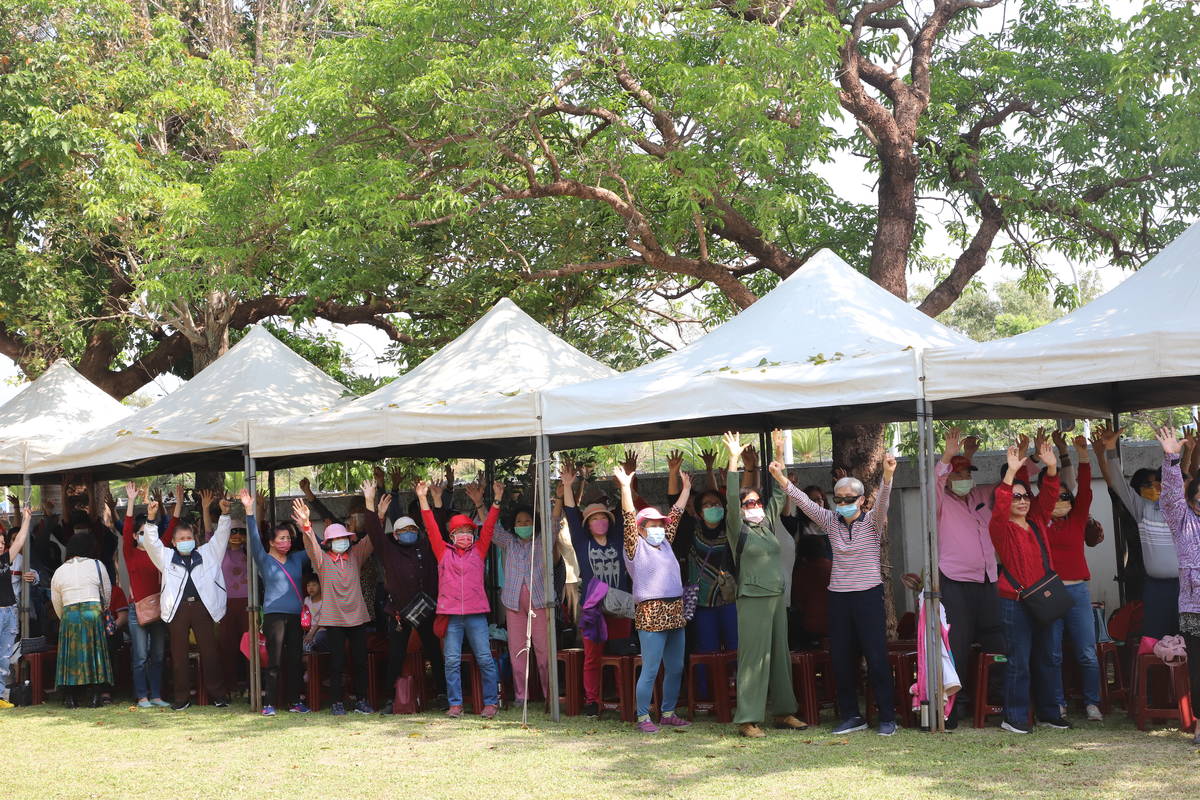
(474,491)
(685,480)
(623,477)
(778,472)
(422,488)
(674,461)
(437,489)
(970,446)
(1081,447)
(631,461)
(1047,454)
(260,504)
(246,499)
(224,504)
(497,491)
(156,493)
(1023,444)
(777,443)
(300,513)
(709,457)
(733,443)
(889,466)
(953,442)
(368,490)
(1108,436)
(379,475)
(1060,440)
(385,500)
(1039,440)
(567,472)
(207,496)
(152,507)
(1015,458)
(131,494)
(395,475)
(1166,437)
(306,487)
(749,458)
(449,473)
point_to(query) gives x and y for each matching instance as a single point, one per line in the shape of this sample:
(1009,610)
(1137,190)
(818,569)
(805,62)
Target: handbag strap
(291,580)
(100,587)
(1037,534)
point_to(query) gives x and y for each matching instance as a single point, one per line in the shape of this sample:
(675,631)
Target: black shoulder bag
(1047,599)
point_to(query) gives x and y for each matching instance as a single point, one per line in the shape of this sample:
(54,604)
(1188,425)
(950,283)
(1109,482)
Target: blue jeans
(148,643)
(1080,626)
(1030,661)
(8,641)
(714,628)
(475,628)
(663,648)
(1160,600)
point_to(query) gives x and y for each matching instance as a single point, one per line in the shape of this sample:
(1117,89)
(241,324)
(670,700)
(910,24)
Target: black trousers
(973,613)
(284,652)
(1193,651)
(336,638)
(431,649)
(857,625)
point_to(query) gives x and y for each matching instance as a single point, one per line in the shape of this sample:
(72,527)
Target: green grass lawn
(52,753)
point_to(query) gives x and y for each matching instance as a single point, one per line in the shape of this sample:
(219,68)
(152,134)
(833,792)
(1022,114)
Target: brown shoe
(751,731)
(790,723)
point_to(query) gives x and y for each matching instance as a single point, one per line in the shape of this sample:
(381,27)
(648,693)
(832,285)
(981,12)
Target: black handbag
(418,610)
(1046,599)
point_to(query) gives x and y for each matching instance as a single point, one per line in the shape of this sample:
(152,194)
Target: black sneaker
(852,725)
(1058,723)
(337,710)
(221,702)
(186,704)
(591,710)
(363,707)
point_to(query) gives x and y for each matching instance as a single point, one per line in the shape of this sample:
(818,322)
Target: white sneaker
(1093,714)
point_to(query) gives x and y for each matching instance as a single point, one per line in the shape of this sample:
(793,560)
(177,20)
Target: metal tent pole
(932,589)
(252,607)
(1119,539)
(544,494)
(26,560)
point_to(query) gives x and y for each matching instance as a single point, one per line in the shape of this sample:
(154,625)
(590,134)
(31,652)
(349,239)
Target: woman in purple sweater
(658,594)
(1181,508)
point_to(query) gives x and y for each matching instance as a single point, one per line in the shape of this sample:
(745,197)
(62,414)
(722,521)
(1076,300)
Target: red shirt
(1066,534)
(1016,548)
(144,577)
(118,600)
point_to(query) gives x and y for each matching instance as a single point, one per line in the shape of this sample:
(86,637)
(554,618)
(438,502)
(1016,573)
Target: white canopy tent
(44,415)
(476,397)
(203,425)
(1135,347)
(825,346)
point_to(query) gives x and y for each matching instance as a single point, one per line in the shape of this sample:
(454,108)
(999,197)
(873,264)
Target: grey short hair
(853,484)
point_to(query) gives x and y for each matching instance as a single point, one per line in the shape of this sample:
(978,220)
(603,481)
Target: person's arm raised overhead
(300,515)
(1104,441)
(1172,502)
(1066,470)
(624,480)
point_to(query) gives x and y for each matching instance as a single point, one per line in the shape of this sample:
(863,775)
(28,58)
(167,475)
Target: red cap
(460,521)
(961,463)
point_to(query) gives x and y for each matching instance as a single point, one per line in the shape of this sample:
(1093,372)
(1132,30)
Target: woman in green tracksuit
(764,676)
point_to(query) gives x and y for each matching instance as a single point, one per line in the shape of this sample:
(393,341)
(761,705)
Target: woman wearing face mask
(410,572)
(148,635)
(281,570)
(764,681)
(1182,509)
(658,594)
(10,550)
(80,591)
(236,622)
(1018,529)
(1068,524)
(1140,496)
(701,543)
(522,591)
(338,562)
(856,616)
(463,599)
(597,548)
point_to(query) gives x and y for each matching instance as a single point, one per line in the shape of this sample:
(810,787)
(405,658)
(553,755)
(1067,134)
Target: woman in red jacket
(1018,529)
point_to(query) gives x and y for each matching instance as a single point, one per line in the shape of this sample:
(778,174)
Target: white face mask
(754,515)
(655,536)
(340,545)
(186,546)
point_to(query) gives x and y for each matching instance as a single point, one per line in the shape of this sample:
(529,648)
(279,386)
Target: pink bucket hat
(336,531)
(649,512)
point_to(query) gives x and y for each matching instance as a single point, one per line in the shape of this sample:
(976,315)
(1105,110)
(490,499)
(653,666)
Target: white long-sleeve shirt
(79,581)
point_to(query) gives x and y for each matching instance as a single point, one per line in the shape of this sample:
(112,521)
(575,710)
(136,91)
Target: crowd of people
(741,561)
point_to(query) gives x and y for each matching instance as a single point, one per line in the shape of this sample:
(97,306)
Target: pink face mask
(598,526)
(284,546)
(463,540)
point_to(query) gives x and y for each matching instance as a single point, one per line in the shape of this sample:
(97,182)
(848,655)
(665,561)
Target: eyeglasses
(846,500)
(752,504)
(1021,498)
(1066,497)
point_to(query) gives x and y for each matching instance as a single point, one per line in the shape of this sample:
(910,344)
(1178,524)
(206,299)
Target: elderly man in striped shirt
(856,616)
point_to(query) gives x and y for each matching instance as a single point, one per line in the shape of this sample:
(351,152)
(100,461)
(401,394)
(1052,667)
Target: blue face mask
(340,545)
(407,537)
(523,531)
(655,536)
(185,547)
(848,511)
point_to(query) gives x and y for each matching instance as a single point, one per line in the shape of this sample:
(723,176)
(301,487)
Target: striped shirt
(342,604)
(855,545)
(517,554)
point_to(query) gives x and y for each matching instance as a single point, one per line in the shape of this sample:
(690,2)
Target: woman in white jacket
(80,591)
(192,599)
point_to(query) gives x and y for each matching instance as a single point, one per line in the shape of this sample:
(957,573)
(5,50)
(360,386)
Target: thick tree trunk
(858,449)
(897,221)
(215,345)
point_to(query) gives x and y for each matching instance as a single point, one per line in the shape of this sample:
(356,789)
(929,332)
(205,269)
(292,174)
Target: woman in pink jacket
(462,598)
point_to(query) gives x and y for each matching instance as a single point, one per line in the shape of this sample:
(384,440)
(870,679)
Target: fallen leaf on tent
(414,736)
(214,419)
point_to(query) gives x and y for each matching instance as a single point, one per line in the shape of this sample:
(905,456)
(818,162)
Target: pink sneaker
(673,720)
(489,712)
(647,726)
(454,712)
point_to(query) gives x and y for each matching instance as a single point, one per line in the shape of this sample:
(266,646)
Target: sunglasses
(1018,498)
(1066,497)
(846,500)
(752,504)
